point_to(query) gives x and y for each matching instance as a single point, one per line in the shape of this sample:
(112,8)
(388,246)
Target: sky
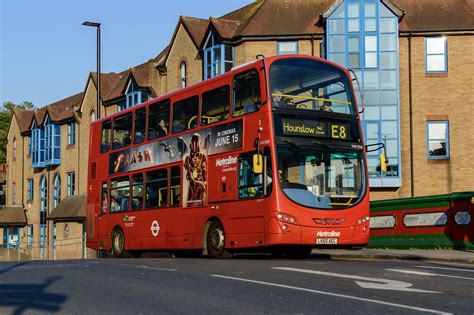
(47,54)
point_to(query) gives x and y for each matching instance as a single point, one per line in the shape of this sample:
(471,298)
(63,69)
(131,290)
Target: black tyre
(298,253)
(118,243)
(215,241)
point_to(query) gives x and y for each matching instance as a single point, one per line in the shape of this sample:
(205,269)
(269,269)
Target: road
(242,285)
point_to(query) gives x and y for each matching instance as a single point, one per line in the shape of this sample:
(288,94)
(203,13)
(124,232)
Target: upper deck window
(122,131)
(105,137)
(215,105)
(185,114)
(311,85)
(247,97)
(159,119)
(140,125)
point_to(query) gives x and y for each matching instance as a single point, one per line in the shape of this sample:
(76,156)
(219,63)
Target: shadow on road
(7,269)
(32,297)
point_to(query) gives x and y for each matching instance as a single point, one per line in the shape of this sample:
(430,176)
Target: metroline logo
(328,234)
(226,161)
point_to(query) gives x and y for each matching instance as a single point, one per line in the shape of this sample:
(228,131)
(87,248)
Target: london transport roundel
(155,228)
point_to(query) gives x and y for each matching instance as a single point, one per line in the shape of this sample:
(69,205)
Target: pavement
(441,255)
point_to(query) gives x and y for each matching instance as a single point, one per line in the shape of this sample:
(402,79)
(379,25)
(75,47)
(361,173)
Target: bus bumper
(281,233)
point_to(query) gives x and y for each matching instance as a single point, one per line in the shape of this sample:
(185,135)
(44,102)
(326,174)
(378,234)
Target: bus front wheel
(215,241)
(118,243)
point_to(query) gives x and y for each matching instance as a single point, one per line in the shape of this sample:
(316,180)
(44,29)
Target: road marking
(420,309)
(446,268)
(385,284)
(140,266)
(421,273)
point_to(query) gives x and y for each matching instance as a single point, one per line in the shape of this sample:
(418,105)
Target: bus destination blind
(315,128)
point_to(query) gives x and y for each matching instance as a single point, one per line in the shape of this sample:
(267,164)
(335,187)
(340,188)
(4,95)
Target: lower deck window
(175,185)
(119,193)
(157,188)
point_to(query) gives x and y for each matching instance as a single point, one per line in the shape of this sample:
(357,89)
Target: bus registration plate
(326,241)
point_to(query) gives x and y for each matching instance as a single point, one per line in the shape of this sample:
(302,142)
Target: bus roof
(235,70)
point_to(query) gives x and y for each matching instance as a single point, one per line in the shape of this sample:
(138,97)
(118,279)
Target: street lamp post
(96,25)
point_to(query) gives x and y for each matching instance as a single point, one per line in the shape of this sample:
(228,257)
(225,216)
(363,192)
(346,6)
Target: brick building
(414,59)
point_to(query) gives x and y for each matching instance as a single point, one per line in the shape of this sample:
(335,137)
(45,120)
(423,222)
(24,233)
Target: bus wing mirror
(383,162)
(257,163)
(383,156)
(360,90)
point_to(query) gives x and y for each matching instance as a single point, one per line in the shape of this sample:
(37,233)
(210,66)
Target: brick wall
(436,97)
(183,49)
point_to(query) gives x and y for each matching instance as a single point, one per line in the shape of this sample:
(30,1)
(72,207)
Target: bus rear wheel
(118,243)
(215,241)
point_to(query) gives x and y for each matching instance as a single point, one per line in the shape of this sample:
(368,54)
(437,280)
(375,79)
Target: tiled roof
(436,15)
(58,112)
(285,17)
(226,28)
(23,118)
(238,15)
(114,84)
(302,17)
(196,27)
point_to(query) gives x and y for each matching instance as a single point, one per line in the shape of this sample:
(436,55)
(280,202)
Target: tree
(5,117)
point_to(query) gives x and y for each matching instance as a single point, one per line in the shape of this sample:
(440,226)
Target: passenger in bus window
(327,106)
(114,205)
(162,128)
(127,139)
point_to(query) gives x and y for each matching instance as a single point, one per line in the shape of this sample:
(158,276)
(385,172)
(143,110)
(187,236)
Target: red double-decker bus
(267,156)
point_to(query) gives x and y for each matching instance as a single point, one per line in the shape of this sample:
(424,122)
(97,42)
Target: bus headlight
(363,220)
(284,217)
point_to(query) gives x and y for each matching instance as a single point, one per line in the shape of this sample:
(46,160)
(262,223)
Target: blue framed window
(29,235)
(436,54)
(71,183)
(52,143)
(56,190)
(29,145)
(30,189)
(133,96)
(363,35)
(218,57)
(71,133)
(437,140)
(287,47)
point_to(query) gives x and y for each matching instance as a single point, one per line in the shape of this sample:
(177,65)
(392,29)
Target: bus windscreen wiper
(292,143)
(320,144)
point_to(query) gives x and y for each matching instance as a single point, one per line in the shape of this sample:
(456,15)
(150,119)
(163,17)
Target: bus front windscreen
(311,85)
(321,178)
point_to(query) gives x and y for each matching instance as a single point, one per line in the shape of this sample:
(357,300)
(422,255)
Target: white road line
(445,268)
(420,273)
(140,266)
(370,283)
(420,309)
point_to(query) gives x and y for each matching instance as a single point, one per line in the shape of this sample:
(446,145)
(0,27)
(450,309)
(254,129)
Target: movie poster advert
(192,148)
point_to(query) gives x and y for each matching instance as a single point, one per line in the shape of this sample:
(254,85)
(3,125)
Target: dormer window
(133,96)
(218,57)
